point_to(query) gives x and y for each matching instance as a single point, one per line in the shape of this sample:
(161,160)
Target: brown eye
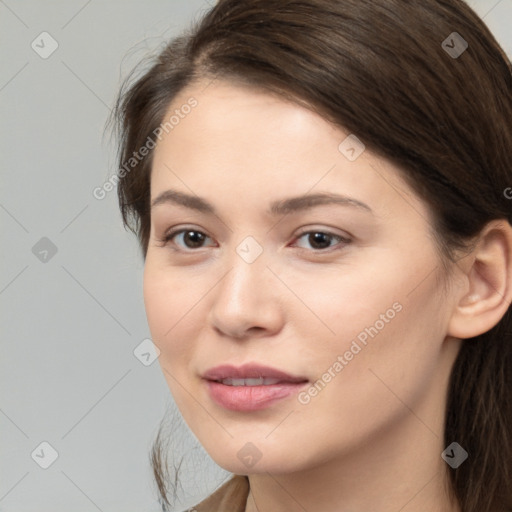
(321,240)
(188,238)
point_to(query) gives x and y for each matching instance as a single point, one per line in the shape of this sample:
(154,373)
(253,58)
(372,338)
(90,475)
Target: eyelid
(327,231)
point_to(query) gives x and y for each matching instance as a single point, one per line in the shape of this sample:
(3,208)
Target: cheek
(388,358)
(160,305)
(378,336)
(336,305)
(170,310)
(169,303)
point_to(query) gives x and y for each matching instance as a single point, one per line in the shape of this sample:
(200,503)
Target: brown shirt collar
(230,497)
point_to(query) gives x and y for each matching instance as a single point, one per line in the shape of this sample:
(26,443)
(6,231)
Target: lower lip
(250,398)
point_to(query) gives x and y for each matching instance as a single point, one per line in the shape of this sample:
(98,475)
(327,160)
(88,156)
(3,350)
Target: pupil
(195,237)
(318,238)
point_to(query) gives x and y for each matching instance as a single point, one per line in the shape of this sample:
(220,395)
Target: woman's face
(343,292)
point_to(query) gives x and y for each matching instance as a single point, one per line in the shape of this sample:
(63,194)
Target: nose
(247,301)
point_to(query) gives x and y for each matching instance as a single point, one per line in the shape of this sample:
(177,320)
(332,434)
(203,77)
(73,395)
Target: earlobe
(488,275)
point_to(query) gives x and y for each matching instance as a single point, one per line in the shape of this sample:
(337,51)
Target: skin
(372,438)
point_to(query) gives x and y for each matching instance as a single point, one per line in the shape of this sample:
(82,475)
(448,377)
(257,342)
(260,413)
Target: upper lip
(249,371)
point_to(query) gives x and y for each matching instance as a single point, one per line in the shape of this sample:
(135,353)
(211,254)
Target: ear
(486,294)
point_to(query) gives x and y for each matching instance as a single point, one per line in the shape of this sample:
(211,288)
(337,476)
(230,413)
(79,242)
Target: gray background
(71,320)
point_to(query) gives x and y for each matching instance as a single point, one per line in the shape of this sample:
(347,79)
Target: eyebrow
(279,207)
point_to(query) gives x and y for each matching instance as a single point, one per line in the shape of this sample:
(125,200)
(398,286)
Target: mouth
(250,387)
(261,381)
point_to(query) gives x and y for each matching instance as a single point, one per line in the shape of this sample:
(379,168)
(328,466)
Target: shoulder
(229,497)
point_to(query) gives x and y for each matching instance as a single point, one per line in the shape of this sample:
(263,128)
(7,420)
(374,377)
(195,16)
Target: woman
(321,190)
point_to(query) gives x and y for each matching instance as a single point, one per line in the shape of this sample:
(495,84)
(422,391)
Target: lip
(250,398)
(248,371)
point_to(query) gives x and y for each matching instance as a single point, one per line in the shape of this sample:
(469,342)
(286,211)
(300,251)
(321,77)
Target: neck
(403,474)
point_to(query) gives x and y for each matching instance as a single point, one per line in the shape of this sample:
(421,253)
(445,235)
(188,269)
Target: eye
(190,238)
(321,240)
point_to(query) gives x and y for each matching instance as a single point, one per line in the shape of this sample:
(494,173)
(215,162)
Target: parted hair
(398,74)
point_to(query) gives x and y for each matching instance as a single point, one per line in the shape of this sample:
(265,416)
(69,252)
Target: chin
(247,458)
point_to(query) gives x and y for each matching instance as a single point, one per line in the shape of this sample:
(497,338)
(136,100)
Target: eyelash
(169,236)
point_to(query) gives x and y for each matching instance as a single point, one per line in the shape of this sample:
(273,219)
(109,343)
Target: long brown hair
(422,83)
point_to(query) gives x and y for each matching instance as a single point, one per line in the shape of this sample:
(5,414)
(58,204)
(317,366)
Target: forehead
(247,146)
(226,113)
